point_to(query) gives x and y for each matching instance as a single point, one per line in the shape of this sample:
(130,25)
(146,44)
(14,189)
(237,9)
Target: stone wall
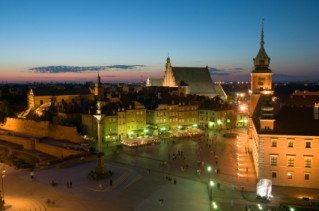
(25,142)
(33,144)
(41,129)
(54,150)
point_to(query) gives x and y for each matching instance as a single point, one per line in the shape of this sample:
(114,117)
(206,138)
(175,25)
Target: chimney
(316,111)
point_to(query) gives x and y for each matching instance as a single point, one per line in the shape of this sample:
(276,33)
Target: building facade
(120,121)
(284,141)
(176,114)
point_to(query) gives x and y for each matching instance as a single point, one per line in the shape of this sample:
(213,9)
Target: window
(307,176)
(289,175)
(290,144)
(274,143)
(291,161)
(308,162)
(273,160)
(308,144)
(274,174)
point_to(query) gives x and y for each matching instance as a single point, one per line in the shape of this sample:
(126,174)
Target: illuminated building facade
(120,121)
(284,141)
(215,114)
(176,114)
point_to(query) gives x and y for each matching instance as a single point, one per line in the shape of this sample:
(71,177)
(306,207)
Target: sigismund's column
(100,156)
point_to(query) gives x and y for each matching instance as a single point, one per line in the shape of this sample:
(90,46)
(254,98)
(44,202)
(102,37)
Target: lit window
(274,143)
(290,144)
(308,162)
(291,161)
(308,144)
(273,160)
(274,174)
(289,175)
(307,176)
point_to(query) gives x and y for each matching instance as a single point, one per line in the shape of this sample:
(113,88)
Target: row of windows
(290,143)
(290,175)
(291,161)
(177,114)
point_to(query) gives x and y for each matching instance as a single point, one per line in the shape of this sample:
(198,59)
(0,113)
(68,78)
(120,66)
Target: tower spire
(262,34)
(98,80)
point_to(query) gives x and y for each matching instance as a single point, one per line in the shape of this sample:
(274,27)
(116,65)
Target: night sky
(128,41)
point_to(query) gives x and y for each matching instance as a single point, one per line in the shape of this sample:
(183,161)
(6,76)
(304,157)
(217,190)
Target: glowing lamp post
(210,183)
(219,122)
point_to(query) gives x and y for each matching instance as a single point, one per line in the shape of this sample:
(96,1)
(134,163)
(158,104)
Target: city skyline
(129,42)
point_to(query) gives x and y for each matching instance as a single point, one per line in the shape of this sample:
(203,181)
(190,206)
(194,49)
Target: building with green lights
(216,114)
(121,120)
(171,115)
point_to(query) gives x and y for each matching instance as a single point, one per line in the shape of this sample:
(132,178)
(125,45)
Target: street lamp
(2,183)
(210,183)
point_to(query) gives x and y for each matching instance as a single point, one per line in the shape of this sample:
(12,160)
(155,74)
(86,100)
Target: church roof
(182,83)
(56,92)
(197,78)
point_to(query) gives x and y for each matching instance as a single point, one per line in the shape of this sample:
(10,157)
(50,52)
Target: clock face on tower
(261,81)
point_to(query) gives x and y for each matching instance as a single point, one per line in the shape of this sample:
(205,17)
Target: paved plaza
(170,176)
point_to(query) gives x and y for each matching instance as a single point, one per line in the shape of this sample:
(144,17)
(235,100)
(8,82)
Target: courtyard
(172,175)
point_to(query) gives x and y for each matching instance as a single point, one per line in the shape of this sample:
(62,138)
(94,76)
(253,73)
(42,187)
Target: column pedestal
(99,170)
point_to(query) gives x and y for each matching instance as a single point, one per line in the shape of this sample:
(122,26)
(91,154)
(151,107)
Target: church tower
(261,76)
(169,79)
(98,86)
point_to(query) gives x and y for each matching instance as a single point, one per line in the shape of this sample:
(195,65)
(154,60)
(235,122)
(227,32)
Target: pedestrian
(175,181)
(48,202)
(111,182)
(149,171)
(70,184)
(247,169)
(31,173)
(218,185)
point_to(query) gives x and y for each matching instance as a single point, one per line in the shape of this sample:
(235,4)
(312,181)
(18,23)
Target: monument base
(99,172)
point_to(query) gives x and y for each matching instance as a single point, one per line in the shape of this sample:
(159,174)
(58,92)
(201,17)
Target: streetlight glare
(209,168)
(243,108)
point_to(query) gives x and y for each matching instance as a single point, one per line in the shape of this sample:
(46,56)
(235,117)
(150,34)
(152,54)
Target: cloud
(239,69)
(65,69)
(213,69)
(109,76)
(228,71)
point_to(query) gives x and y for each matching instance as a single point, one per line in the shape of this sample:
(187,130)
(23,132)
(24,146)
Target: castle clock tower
(261,76)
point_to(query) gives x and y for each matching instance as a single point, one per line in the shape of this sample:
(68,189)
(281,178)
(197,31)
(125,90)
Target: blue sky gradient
(221,34)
